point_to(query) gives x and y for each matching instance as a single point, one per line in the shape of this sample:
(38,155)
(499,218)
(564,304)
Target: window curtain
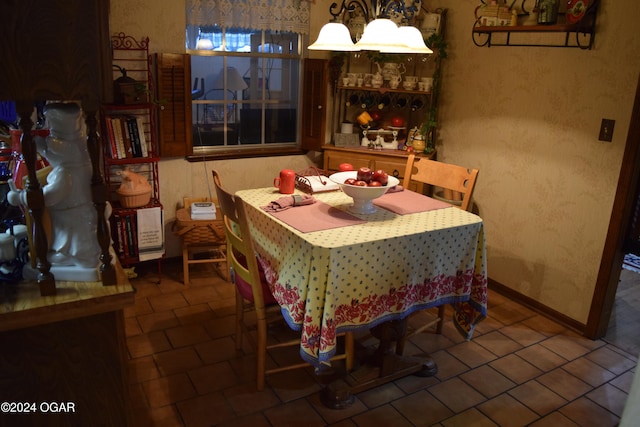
(274,15)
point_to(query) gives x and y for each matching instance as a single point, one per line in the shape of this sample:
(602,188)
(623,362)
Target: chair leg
(239,319)
(441,317)
(185,263)
(261,353)
(349,350)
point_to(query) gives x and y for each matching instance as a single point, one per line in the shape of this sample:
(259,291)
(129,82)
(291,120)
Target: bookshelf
(130,144)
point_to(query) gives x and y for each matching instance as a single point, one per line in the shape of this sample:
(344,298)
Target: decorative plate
(576,10)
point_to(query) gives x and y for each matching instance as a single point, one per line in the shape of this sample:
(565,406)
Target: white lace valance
(274,15)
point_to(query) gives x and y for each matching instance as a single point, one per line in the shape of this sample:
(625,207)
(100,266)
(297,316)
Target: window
(246,90)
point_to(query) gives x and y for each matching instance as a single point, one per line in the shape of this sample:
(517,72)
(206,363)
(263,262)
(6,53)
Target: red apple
(364,174)
(343,167)
(350,181)
(374,183)
(381,176)
(397,121)
(360,184)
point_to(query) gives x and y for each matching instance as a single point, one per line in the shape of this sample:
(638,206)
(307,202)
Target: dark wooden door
(314,104)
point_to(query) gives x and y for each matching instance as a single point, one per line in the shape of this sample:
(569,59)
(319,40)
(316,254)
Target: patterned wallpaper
(528,118)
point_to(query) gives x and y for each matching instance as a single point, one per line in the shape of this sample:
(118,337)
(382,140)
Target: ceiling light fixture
(380,34)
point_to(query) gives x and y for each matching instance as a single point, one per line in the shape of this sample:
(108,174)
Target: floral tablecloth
(358,276)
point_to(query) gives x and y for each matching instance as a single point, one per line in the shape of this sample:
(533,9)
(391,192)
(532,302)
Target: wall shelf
(579,35)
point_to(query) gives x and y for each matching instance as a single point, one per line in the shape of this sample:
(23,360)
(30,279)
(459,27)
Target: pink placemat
(408,202)
(316,217)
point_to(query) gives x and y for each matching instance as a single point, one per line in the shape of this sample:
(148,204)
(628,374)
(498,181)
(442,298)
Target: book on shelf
(144,148)
(126,137)
(113,149)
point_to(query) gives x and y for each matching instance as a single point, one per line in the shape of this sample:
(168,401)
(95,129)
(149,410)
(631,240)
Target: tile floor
(520,369)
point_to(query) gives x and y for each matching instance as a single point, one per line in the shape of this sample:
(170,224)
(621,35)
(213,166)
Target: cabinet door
(173,90)
(392,167)
(314,104)
(333,159)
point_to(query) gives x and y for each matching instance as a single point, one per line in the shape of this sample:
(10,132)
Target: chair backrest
(241,257)
(444,175)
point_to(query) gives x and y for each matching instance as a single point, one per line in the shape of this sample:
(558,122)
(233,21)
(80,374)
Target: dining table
(332,270)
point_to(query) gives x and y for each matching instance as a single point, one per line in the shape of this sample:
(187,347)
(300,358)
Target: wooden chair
(458,179)
(252,290)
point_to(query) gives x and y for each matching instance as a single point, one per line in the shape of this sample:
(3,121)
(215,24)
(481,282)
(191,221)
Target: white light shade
(380,34)
(410,41)
(235,82)
(204,44)
(334,36)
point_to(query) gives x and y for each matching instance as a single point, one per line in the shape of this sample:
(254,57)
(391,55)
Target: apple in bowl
(361,192)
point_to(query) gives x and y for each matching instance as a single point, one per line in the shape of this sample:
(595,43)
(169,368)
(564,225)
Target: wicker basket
(198,231)
(134,199)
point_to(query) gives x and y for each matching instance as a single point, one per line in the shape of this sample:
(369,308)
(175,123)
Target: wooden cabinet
(393,162)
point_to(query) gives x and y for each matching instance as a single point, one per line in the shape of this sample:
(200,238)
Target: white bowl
(362,196)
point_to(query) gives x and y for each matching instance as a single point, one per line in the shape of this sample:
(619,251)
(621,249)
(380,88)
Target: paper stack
(203,210)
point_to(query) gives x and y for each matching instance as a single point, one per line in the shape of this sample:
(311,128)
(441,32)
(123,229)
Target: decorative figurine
(73,244)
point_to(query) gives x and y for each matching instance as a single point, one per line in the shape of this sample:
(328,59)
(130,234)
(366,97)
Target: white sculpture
(67,195)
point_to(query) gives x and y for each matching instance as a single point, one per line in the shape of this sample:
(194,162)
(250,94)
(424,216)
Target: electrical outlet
(606,130)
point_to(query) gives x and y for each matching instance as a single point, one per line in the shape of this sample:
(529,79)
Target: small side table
(203,241)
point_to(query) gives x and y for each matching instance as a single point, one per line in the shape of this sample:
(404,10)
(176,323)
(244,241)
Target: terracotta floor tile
(294,384)
(381,395)
(205,411)
(498,343)
(515,368)
(457,395)
(487,381)
(142,369)
(522,334)
(541,357)
(200,294)
(544,325)
(623,382)
(252,420)
(610,398)
(211,378)
(565,346)
(471,353)
(245,398)
(157,321)
(147,344)
(509,313)
(413,383)
(585,412)
(167,390)
(216,350)
(468,418)
(538,397)
(448,366)
(506,411)
(554,419)
(385,415)
(179,360)
(131,326)
(198,313)
(422,409)
(298,413)
(332,416)
(612,360)
(167,301)
(185,335)
(589,372)
(564,384)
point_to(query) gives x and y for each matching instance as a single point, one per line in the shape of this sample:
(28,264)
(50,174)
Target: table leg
(383,366)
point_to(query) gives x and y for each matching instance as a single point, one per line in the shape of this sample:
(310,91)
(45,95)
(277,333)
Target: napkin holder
(313,180)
